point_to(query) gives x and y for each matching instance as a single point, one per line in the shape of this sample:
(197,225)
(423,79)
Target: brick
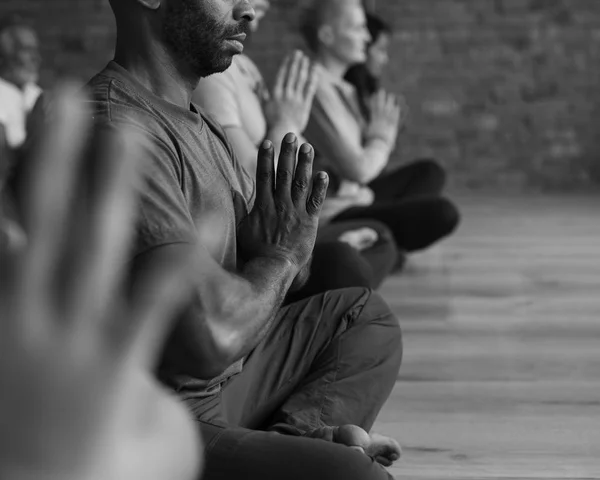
(506,93)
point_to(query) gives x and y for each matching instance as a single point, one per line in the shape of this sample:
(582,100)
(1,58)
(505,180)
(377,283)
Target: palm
(77,400)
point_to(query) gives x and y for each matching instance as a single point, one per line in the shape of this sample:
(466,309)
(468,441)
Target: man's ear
(150,4)
(326,35)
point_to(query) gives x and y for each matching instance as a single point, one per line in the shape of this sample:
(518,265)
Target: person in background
(78,399)
(424,177)
(348,254)
(19,74)
(366,77)
(354,149)
(278,391)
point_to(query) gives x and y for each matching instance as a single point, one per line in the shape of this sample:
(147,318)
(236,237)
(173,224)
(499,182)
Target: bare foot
(383,449)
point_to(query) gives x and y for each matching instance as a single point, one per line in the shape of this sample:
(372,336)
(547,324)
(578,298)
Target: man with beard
(347,254)
(278,392)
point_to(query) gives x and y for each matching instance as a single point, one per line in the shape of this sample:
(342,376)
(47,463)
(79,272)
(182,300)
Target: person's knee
(340,265)
(448,216)
(431,170)
(377,312)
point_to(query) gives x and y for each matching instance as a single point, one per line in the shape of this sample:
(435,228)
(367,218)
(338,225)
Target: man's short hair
(317,13)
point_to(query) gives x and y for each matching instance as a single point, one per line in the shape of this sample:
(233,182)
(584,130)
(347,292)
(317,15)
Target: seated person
(278,392)
(355,151)
(19,73)
(353,253)
(419,178)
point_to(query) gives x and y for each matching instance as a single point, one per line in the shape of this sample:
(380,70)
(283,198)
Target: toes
(384,450)
(386,462)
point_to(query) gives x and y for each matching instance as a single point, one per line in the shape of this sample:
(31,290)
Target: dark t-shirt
(191,170)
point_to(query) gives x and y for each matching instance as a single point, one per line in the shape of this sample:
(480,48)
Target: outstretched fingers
(265,174)
(311,85)
(302,76)
(294,74)
(286,167)
(281,78)
(315,202)
(303,177)
(108,218)
(51,183)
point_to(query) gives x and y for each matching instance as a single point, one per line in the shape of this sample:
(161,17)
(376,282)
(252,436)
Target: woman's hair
(359,76)
(377,27)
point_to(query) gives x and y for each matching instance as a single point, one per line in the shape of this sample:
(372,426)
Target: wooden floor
(501,374)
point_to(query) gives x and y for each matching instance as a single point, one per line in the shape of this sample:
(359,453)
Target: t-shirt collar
(192,114)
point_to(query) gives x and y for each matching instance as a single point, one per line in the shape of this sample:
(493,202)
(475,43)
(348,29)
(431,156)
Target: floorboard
(501,374)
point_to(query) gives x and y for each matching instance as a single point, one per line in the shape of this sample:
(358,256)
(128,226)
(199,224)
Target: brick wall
(506,93)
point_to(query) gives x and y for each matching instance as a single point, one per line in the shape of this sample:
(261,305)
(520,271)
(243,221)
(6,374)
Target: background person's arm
(285,111)
(342,147)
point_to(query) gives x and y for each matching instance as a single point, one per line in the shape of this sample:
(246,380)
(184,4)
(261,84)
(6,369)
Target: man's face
(20,56)
(206,34)
(261,7)
(350,35)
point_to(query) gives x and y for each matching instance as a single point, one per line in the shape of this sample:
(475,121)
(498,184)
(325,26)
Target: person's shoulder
(247,66)
(114,103)
(110,91)
(217,130)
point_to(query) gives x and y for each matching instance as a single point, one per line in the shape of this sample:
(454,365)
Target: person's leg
(383,257)
(416,224)
(421,178)
(329,360)
(335,266)
(236,453)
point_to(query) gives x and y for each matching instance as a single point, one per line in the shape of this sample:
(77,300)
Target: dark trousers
(409,202)
(331,359)
(337,265)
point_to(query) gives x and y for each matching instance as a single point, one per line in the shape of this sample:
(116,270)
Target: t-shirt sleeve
(218,97)
(163,216)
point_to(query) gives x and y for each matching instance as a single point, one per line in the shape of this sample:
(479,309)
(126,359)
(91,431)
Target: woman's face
(261,7)
(378,56)
(350,35)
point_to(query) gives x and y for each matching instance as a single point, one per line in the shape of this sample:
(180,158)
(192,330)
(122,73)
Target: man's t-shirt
(191,170)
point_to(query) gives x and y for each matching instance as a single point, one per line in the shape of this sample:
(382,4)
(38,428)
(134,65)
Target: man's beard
(197,39)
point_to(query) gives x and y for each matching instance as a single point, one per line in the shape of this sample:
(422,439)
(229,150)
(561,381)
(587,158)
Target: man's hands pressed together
(283,223)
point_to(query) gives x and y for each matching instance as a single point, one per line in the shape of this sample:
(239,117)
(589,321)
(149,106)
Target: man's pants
(328,360)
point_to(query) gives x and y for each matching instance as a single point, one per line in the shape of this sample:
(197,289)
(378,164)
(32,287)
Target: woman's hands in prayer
(386,117)
(289,107)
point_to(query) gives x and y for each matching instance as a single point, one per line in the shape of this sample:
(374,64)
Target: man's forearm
(230,313)
(233,313)
(270,280)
